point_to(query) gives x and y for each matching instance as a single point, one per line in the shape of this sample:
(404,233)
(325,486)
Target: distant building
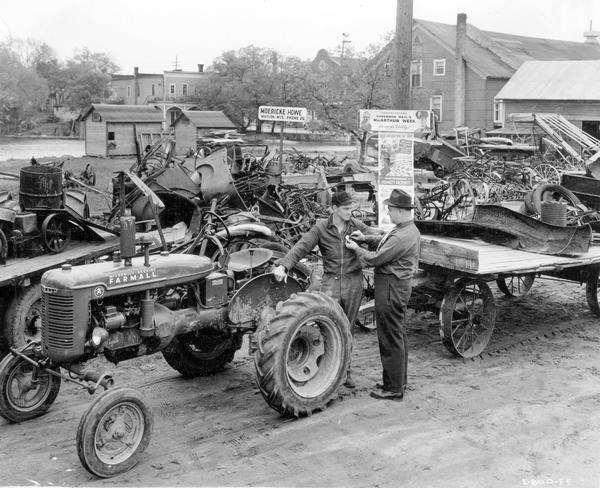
(466,97)
(108,129)
(171,91)
(570,88)
(193,124)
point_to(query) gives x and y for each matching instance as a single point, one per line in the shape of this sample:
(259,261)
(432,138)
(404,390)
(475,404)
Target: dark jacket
(337,258)
(397,255)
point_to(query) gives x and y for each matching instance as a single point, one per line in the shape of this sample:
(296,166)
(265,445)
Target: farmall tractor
(193,312)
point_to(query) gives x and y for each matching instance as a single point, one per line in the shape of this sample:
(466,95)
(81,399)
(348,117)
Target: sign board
(395,120)
(282,114)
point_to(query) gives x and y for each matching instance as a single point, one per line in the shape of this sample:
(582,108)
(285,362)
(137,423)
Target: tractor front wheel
(303,354)
(114,432)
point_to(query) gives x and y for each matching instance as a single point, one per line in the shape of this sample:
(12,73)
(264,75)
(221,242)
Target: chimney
(459,81)
(200,68)
(591,36)
(136,71)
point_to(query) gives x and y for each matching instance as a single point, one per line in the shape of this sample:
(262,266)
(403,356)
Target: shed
(193,124)
(570,88)
(109,128)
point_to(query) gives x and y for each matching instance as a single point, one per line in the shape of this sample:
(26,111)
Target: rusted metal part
(534,235)
(502,226)
(257,294)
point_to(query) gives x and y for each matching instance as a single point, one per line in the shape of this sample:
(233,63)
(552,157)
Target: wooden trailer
(454,275)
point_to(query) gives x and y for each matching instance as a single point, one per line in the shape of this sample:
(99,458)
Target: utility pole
(345,41)
(402,55)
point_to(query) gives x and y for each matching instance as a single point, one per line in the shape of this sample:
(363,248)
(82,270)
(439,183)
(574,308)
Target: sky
(152,34)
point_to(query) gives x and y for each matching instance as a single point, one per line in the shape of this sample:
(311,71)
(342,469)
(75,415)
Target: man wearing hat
(342,270)
(395,260)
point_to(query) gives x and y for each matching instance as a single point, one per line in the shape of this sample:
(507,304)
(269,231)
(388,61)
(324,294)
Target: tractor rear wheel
(303,354)
(201,354)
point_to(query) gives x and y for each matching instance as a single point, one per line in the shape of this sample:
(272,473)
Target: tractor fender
(257,294)
(245,229)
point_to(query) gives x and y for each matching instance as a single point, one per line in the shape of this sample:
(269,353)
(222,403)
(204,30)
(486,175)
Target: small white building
(108,129)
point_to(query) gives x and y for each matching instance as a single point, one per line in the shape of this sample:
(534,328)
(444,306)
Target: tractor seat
(248,259)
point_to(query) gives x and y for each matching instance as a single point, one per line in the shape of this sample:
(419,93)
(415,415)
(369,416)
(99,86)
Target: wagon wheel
(467,318)
(464,200)
(426,210)
(591,290)
(516,286)
(546,173)
(56,233)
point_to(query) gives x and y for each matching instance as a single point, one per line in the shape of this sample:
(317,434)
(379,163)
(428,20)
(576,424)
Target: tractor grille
(57,321)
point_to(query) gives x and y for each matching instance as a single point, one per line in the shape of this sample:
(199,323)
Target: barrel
(554,213)
(41,186)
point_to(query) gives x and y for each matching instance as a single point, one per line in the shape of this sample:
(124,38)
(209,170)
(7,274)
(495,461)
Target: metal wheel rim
(119,433)
(471,333)
(547,173)
(519,285)
(56,234)
(313,357)
(19,379)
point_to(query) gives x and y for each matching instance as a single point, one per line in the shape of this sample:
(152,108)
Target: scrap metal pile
(529,162)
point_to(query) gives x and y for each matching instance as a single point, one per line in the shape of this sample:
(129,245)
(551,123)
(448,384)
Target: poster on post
(395,136)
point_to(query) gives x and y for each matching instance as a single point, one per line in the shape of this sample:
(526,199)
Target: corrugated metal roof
(125,113)
(207,119)
(498,55)
(554,80)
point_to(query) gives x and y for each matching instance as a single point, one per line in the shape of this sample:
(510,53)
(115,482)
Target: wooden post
(402,55)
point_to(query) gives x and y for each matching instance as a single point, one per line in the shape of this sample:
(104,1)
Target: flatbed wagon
(454,275)
(20,293)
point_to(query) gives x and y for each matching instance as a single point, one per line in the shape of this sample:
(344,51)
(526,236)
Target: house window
(96,117)
(153,90)
(128,91)
(184,89)
(498,112)
(439,67)
(172,89)
(111,136)
(416,72)
(435,105)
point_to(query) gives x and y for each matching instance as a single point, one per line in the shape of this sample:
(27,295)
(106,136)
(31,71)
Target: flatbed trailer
(20,293)
(454,274)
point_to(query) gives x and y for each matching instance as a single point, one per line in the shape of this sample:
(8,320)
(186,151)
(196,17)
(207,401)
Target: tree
(361,81)
(243,80)
(86,78)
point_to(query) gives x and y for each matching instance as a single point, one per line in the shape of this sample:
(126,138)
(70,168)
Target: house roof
(554,80)
(206,119)
(498,55)
(124,113)
(139,75)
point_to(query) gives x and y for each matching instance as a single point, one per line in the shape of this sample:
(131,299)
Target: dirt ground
(523,414)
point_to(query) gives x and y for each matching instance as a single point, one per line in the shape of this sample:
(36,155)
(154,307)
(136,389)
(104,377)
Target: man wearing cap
(395,261)
(342,271)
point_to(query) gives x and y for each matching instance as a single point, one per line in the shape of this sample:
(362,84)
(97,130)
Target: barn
(193,124)
(108,129)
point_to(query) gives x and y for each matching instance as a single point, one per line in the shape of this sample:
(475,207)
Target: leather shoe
(349,383)
(387,395)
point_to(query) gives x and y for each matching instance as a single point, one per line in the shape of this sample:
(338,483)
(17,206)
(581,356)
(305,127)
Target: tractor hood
(113,277)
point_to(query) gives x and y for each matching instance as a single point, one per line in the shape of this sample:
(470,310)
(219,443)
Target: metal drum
(554,213)
(41,186)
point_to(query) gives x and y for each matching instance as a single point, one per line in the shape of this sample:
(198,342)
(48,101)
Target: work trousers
(391,300)
(348,291)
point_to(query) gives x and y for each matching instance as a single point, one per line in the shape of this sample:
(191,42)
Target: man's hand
(350,244)
(280,273)
(357,235)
